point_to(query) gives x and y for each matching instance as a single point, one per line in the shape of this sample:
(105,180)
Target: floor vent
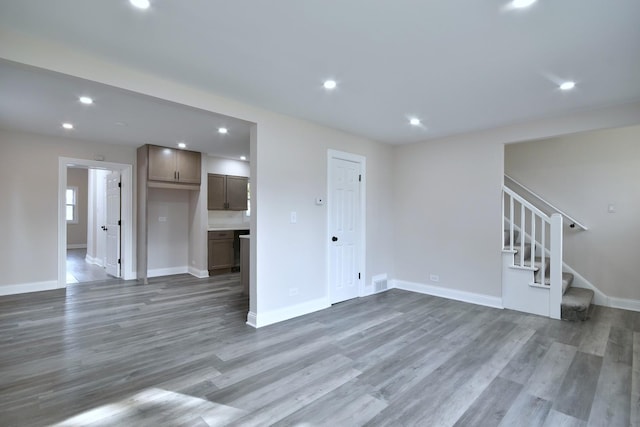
(380,284)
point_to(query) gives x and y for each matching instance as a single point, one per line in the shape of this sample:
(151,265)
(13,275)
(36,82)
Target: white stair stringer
(517,292)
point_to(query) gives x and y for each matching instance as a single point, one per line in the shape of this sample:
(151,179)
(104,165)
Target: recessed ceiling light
(223,130)
(243,157)
(140,4)
(330,84)
(182,145)
(67,125)
(567,85)
(521,4)
(86,100)
(414,122)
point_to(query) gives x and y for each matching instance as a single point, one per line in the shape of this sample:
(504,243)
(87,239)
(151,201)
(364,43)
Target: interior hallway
(80,271)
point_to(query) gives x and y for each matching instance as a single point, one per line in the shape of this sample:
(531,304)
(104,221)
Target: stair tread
(527,262)
(575,303)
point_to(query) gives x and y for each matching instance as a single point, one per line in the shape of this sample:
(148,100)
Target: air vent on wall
(380,283)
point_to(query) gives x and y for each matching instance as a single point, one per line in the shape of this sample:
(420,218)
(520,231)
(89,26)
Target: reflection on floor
(79,271)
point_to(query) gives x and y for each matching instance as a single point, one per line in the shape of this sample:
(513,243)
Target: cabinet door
(237,193)
(162,164)
(188,167)
(210,262)
(221,253)
(216,194)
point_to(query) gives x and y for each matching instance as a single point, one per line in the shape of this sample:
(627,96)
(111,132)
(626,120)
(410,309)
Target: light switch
(611,208)
(162,219)
(294,217)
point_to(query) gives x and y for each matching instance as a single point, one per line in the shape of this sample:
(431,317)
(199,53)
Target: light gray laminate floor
(80,271)
(178,352)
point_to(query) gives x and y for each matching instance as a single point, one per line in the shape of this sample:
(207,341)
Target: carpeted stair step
(576,303)
(567,280)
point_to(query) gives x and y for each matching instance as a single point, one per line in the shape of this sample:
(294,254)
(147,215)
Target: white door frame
(362,243)
(128,268)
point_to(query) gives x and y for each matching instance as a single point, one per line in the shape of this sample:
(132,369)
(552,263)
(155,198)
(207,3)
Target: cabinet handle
(178,175)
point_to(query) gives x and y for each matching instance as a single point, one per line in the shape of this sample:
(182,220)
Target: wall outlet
(293,292)
(162,219)
(294,217)
(434,277)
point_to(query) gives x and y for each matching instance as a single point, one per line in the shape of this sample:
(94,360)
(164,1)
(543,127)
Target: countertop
(227,227)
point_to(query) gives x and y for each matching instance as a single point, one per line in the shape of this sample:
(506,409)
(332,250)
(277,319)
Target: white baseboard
(93,260)
(251,319)
(274,316)
(24,288)
(624,303)
(454,294)
(200,274)
(157,272)
(77,246)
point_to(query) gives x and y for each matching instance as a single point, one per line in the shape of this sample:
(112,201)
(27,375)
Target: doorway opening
(93,218)
(95,221)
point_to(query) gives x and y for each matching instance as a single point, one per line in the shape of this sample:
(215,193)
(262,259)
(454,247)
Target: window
(72,205)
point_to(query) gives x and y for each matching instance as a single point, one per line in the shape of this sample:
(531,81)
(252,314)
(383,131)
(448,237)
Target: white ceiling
(39,101)
(459,65)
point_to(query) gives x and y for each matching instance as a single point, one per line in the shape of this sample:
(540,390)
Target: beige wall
(77,232)
(583,174)
(447,214)
(288,170)
(168,229)
(29,206)
(447,196)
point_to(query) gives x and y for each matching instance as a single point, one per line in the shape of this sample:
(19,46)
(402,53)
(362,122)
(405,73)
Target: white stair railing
(544,235)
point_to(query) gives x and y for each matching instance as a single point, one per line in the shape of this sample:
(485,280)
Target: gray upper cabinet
(174,166)
(227,192)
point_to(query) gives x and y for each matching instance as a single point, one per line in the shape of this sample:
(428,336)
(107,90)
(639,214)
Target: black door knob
(334,239)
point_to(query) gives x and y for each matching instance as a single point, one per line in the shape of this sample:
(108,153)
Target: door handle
(104,228)
(334,239)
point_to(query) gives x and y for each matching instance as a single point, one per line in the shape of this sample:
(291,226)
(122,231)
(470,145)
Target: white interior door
(344,223)
(113,224)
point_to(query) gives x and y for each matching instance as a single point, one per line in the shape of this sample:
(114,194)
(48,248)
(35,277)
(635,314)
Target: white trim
(261,319)
(127,247)
(251,319)
(77,246)
(23,288)
(200,274)
(454,294)
(94,260)
(362,239)
(624,303)
(170,271)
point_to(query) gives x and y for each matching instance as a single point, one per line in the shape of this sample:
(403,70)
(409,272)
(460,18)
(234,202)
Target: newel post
(555,270)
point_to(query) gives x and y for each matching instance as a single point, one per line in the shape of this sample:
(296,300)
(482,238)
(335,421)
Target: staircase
(533,280)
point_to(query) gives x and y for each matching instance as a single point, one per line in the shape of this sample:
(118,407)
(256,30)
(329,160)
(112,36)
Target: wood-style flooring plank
(178,352)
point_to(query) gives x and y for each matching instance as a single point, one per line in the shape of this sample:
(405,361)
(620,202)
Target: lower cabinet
(221,254)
